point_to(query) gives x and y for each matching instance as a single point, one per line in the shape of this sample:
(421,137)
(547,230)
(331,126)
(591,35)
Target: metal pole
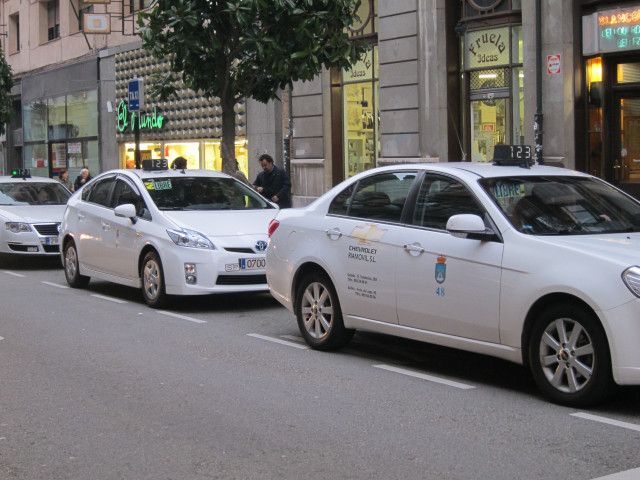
(136,130)
(537,119)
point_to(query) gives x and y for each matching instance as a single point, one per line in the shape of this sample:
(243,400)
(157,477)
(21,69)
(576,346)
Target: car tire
(319,314)
(569,356)
(72,267)
(153,288)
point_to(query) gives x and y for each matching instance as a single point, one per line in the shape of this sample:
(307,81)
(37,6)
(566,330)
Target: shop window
(493,60)
(361,115)
(628,73)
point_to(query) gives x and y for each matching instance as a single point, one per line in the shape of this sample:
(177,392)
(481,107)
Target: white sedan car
(539,266)
(169,232)
(31,209)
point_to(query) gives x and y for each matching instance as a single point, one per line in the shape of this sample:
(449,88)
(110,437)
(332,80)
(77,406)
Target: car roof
(142,174)
(481,170)
(9,179)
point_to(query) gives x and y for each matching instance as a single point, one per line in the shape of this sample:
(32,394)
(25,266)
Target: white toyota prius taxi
(168,232)
(31,209)
(537,265)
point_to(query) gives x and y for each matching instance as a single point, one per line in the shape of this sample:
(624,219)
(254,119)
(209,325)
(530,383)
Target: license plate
(51,241)
(252,263)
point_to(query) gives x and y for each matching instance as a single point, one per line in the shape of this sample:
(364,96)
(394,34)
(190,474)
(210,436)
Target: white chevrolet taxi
(31,209)
(539,266)
(168,232)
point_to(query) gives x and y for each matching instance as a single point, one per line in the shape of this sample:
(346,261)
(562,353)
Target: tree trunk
(227,145)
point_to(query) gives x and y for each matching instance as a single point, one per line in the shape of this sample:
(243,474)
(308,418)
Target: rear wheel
(72,267)
(153,289)
(569,356)
(319,314)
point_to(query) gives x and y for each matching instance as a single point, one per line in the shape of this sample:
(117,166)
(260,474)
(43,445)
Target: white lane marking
(109,299)
(181,317)
(422,376)
(277,340)
(13,273)
(627,475)
(608,421)
(55,285)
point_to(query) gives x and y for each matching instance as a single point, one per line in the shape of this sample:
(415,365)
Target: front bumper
(216,271)
(42,240)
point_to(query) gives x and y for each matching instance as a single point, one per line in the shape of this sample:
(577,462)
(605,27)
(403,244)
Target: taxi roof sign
(20,173)
(519,155)
(154,164)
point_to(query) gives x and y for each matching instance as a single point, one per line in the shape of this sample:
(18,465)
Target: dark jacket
(78,183)
(276,182)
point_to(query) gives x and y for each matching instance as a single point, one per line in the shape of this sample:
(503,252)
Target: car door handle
(334,232)
(80,215)
(414,248)
(105,226)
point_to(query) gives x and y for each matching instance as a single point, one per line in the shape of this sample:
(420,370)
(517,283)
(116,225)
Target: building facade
(444,80)
(71,96)
(448,80)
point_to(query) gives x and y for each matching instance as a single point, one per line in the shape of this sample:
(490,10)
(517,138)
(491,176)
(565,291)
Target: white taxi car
(31,209)
(169,232)
(539,266)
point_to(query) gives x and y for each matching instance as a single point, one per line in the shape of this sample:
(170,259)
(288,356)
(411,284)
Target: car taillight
(272,227)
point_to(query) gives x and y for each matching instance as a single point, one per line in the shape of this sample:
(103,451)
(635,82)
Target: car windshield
(33,193)
(203,193)
(556,205)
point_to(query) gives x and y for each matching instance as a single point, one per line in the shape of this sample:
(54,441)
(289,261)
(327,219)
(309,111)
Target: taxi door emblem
(441,270)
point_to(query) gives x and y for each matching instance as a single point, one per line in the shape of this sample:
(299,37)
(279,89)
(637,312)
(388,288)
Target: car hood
(623,247)
(225,222)
(33,214)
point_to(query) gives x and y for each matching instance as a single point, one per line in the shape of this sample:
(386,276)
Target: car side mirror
(469,226)
(127,210)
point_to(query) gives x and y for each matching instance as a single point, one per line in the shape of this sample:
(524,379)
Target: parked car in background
(538,266)
(31,209)
(168,232)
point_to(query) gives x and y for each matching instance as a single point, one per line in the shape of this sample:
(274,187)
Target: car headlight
(17,227)
(631,277)
(190,238)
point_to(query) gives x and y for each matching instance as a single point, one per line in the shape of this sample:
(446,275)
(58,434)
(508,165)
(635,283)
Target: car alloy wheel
(569,356)
(153,289)
(319,314)
(72,267)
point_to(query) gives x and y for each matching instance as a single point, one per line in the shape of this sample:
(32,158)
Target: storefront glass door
(488,127)
(626,168)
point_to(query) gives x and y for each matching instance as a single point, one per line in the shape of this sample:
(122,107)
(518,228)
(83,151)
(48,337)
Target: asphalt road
(95,385)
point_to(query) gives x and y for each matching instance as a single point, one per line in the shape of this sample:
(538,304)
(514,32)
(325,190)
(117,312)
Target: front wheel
(153,289)
(72,267)
(319,314)
(569,356)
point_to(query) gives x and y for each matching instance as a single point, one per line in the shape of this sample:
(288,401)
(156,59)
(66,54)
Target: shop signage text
(362,70)
(612,30)
(487,48)
(145,120)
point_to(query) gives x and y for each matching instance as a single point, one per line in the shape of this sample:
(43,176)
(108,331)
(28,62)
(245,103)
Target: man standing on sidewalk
(273,182)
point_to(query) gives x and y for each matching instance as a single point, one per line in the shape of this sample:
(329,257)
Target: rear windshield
(563,205)
(33,193)
(203,193)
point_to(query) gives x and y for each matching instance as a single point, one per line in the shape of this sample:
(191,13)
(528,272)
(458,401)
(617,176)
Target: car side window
(99,194)
(440,198)
(378,197)
(124,193)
